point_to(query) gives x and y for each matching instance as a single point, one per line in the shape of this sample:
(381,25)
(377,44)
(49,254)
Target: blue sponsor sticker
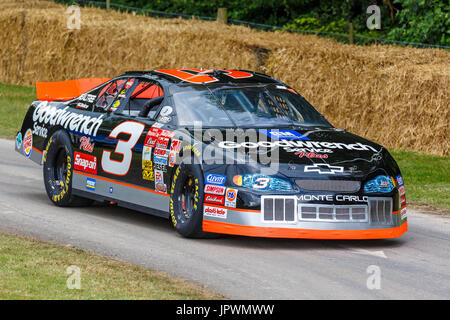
(160,160)
(90,184)
(400,180)
(284,134)
(216,179)
(19,140)
(111,190)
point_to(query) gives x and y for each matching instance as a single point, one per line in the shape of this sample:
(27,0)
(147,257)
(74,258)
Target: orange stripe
(38,151)
(120,182)
(272,232)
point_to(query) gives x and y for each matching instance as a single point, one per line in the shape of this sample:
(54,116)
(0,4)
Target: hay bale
(398,97)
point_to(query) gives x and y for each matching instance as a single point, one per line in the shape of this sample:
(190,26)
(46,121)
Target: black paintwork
(360,165)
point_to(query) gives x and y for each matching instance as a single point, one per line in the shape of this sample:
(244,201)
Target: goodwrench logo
(324,168)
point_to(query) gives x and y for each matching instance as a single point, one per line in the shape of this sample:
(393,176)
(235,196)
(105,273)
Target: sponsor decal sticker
(401,190)
(403,214)
(176,145)
(146,154)
(28,143)
(212,198)
(215,212)
(152,137)
(85,162)
(311,155)
(164,119)
(89,98)
(216,179)
(111,190)
(213,189)
(166,111)
(147,174)
(115,105)
(230,197)
(82,105)
(172,159)
(75,122)
(90,184)
(86,145)
(19,140)
(162,142)
(284,134)
(400,180)
(161,152)
(298,145)
(129,83)
(159,181)
(160,160)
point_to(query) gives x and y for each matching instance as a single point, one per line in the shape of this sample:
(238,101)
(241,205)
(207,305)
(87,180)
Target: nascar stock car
(215,152)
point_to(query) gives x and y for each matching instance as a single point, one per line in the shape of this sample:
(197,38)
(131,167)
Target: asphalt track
(415,266)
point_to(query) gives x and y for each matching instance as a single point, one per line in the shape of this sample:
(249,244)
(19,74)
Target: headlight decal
(260,182)
(380,184)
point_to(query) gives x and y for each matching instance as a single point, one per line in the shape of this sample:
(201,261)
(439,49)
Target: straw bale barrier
(396,96)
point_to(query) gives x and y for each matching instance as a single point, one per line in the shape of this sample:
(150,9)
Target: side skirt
(125,195)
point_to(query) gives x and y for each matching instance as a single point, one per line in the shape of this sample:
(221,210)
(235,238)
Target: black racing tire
(58,171)
(186,201)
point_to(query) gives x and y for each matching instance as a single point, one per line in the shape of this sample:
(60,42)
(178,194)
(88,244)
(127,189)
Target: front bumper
(330,222)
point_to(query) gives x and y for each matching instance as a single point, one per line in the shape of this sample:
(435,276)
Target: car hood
(317,153)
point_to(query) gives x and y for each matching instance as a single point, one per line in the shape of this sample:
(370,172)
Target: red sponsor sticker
(85,162)
(167,133)
(212,198)
(213,189)
(176,145)
(152,137)
(161,152)
(162,142)
(86,145)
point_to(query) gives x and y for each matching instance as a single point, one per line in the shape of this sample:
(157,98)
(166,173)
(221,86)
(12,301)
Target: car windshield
(274,106)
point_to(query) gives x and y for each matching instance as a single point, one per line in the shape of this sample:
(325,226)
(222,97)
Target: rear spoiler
(66,90)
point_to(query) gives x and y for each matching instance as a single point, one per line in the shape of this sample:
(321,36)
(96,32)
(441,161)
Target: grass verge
(14,103)
(427,177)
(32,269)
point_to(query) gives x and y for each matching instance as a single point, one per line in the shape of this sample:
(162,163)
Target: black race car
(214,151)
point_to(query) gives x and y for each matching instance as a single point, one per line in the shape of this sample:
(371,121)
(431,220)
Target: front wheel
(58,171)
(186,201)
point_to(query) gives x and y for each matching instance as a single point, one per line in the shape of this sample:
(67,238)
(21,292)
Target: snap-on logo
(85,162)
(216,179)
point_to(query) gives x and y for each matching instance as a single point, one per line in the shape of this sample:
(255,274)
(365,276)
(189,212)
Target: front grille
(332,213)
(380,210)
(279,209)
(329,185)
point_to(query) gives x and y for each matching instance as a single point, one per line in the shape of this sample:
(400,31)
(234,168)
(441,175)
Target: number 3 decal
(120,168)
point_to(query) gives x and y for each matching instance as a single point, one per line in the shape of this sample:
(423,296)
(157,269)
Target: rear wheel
(186,201)
(58,171)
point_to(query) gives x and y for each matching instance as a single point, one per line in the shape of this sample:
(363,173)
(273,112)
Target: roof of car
(206,76)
